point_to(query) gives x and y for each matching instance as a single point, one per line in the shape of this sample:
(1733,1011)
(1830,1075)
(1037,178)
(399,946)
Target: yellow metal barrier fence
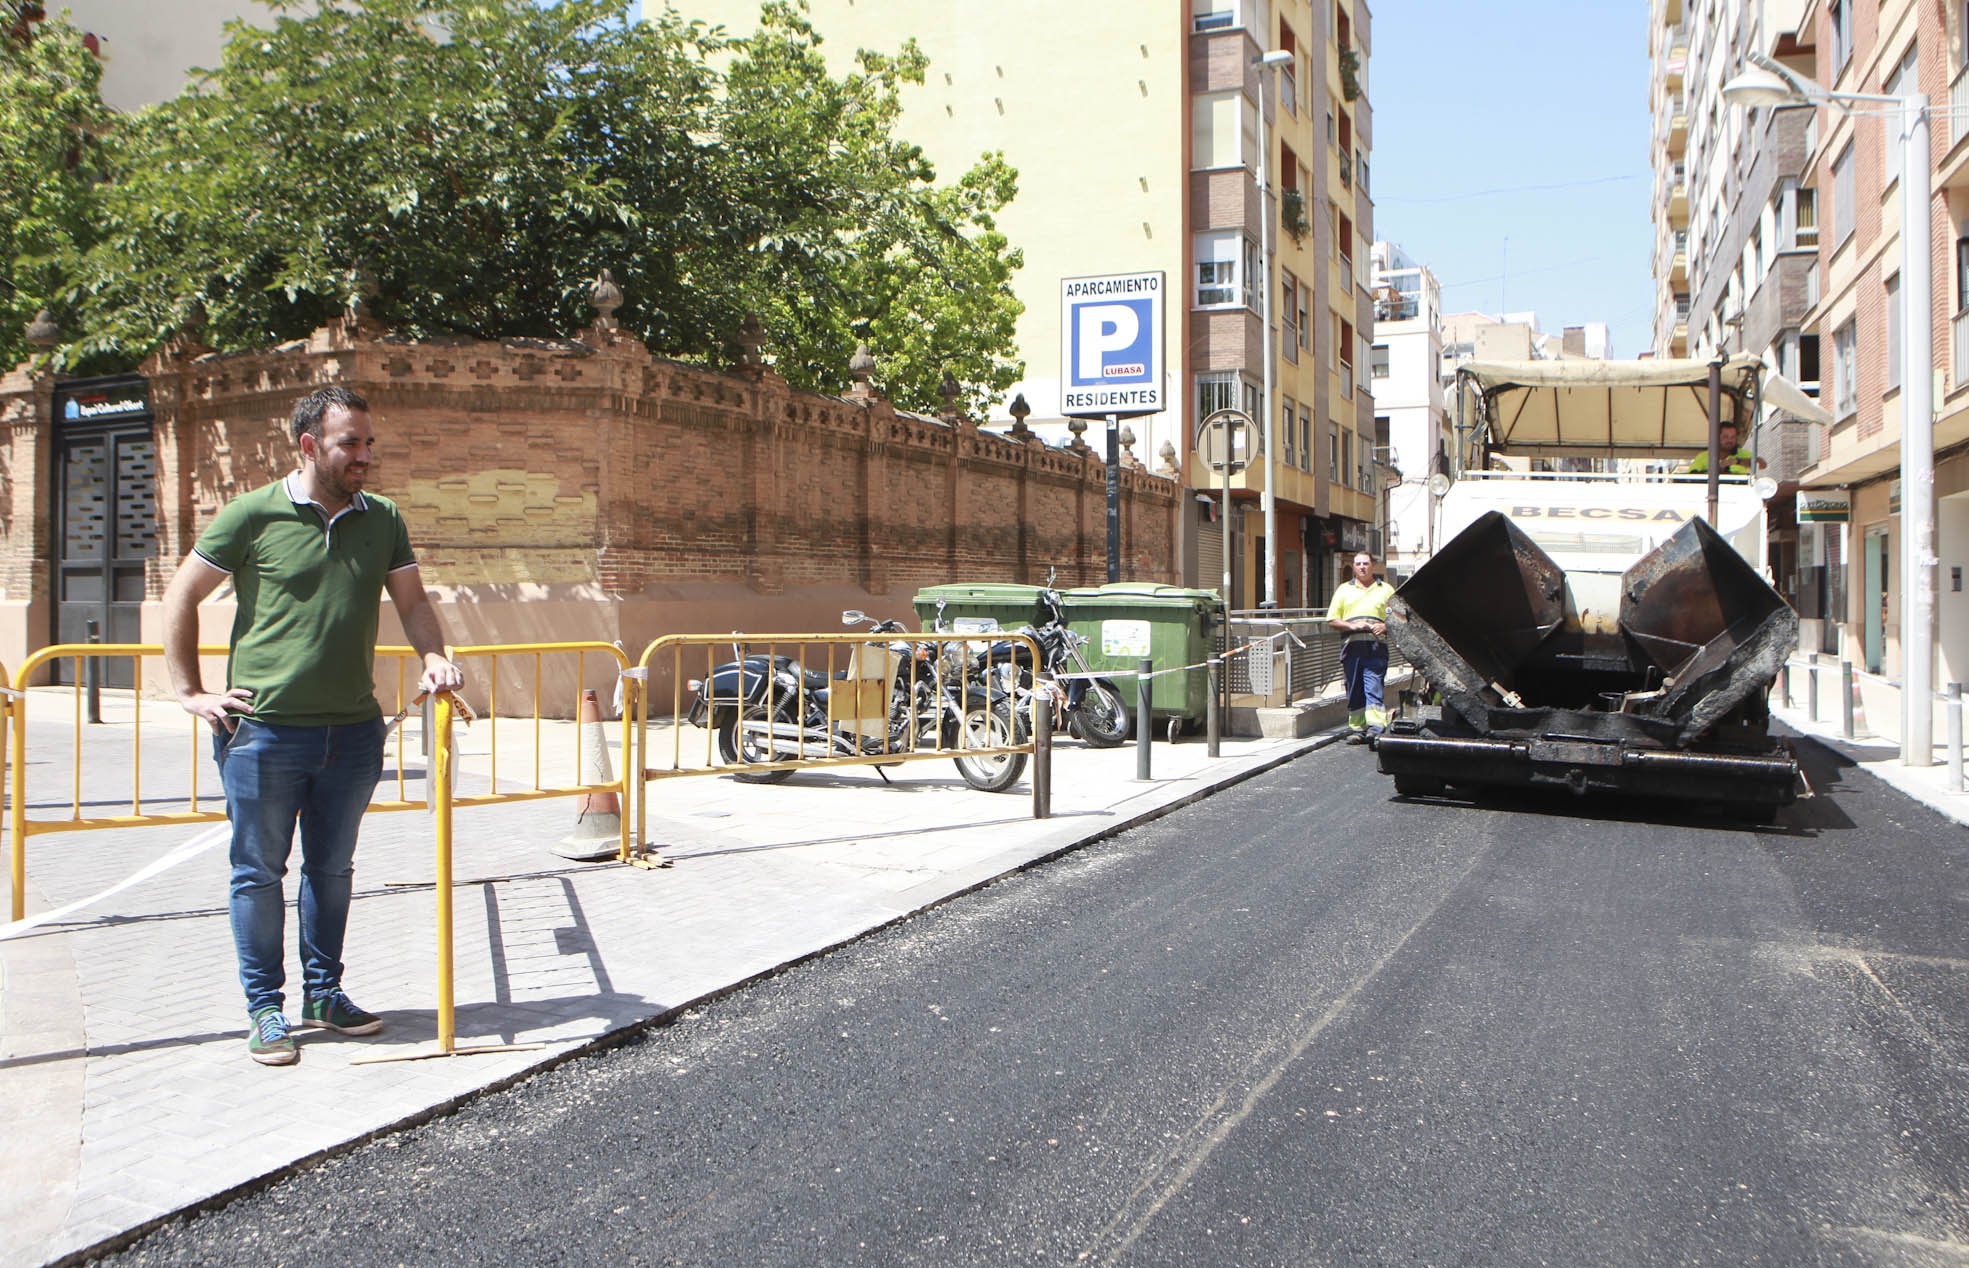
(445,798)
(880,699)
(769,705)
(21,827)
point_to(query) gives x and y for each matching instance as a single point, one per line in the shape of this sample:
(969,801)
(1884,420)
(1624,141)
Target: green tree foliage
(50,165)
(466,166)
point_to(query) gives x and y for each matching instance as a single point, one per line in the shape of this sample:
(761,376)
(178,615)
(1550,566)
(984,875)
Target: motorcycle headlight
(695,684)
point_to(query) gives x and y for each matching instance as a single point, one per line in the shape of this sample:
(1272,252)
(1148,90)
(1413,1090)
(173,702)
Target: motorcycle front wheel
(737,749)
(1101,717)
(992,728)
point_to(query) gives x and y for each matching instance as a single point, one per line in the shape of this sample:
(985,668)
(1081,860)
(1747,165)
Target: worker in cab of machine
(1360,611)
(1729,444)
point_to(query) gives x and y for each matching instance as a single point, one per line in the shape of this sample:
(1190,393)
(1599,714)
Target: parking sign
(1111,345)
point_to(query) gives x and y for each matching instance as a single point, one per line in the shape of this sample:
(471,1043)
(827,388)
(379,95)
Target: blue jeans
(1364,666)
(274,776)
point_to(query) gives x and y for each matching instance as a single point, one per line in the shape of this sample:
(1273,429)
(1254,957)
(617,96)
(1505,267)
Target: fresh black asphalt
(1302,1022)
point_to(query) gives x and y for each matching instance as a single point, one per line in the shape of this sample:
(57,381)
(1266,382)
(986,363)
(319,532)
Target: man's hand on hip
(218,709)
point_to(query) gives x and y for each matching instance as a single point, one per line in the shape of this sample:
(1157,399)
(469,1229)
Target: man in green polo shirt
(297,732)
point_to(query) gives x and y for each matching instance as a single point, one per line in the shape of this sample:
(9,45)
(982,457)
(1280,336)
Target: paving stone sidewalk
(124,1078)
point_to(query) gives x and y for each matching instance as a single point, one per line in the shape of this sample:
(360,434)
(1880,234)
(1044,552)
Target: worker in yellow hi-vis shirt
(1360,611)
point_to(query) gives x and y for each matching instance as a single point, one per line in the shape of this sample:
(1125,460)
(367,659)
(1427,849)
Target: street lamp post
(1265,62)
(1774,84)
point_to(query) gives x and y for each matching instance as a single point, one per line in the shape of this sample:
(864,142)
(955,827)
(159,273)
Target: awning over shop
(1631,409)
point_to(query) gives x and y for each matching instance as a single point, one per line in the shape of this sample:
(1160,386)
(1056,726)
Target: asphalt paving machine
(1594,620)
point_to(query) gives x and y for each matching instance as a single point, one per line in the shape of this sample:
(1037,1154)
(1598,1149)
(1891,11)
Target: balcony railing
(1347,170)
(1960,367)
(1958,108)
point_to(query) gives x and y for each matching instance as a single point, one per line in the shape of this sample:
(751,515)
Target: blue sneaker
(336,1011)
(268,1040)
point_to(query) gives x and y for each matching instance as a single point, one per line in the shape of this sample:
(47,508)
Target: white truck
(1606,626)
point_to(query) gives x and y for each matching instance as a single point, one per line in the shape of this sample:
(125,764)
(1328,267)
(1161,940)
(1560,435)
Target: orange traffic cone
(597,831)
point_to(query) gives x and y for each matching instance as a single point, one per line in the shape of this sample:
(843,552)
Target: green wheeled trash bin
(1173,626)
(976,607)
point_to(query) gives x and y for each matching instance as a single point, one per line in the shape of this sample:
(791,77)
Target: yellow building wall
(1087,102)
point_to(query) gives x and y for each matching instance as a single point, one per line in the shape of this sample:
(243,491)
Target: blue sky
(1469,99)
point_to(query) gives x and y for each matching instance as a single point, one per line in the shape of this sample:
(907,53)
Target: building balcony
(1678,203)
(1953,176)
(1677,138)
(1296,489)
(1958,105)
(1675,66)
(1850,458)
(1678,268)
(1959,364)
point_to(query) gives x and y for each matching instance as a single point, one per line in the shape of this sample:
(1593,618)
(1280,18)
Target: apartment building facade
(1836,237)
(1137,132)
(1737,233)
(1406,367)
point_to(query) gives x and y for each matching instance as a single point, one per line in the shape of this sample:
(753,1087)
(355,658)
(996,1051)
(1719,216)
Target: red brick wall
(589,490)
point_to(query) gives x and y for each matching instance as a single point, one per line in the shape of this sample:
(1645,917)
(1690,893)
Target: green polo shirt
(308,590)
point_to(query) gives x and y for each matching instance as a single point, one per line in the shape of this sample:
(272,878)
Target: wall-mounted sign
(1111,345)
(1824,506)
(101,401)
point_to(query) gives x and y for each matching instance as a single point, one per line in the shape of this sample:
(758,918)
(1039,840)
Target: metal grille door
(105,524)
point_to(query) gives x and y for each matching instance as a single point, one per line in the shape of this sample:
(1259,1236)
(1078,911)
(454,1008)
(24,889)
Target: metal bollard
(1144,724)
(1212,722)
(1812,689)
(1042,761)
(1845,697)
(1955,737)
(1784,684)
(92,675)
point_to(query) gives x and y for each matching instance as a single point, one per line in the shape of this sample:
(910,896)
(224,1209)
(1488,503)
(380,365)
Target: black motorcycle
(1089,706)
(895,697)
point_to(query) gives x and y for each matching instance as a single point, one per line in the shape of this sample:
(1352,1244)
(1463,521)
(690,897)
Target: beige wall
(150,46)
(1086,101)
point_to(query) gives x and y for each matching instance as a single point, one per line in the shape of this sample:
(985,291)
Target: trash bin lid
(1145,592)
(988,590)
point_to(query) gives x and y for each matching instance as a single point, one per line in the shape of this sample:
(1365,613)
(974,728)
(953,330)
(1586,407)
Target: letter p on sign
(1104,329)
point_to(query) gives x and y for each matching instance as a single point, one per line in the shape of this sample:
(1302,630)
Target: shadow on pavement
(688,852)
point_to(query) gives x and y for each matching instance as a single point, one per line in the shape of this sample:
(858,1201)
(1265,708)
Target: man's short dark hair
(309,409)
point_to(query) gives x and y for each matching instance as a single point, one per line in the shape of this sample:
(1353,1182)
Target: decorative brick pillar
(27,417)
